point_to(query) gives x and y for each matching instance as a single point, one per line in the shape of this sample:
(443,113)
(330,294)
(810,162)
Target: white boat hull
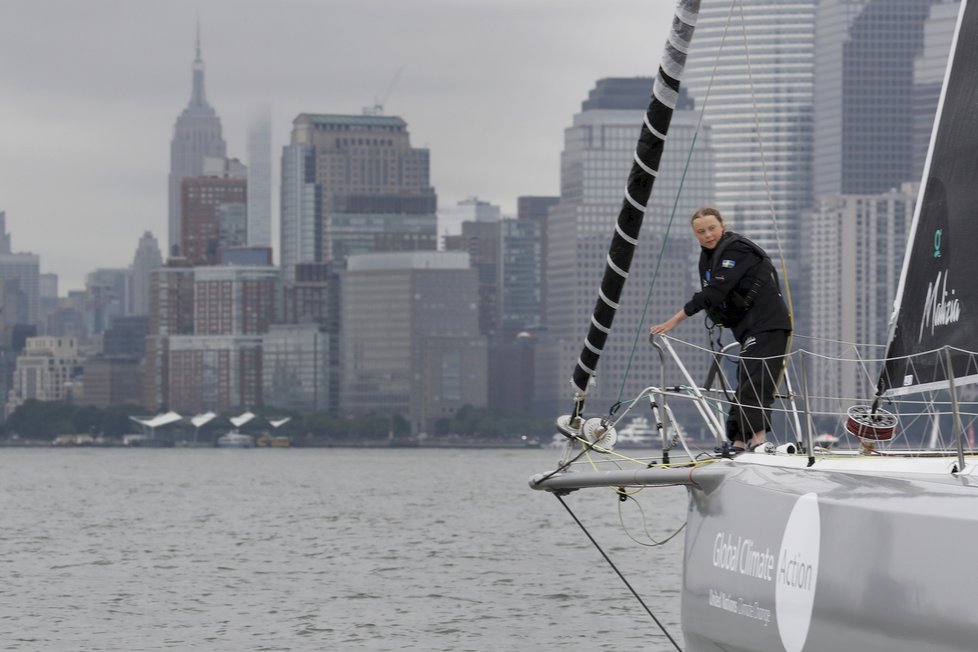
(868,554)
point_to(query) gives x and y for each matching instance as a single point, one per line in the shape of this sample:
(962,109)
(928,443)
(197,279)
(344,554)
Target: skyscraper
(411,341)
(856,245)
(758,103)
(19,282)
(353,184)
(146,259)
(928,76)
(598,150)
(196,135)
(213,217)
(864,100)
(260,179)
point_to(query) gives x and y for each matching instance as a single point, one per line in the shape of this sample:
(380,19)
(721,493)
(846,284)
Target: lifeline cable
(615,568)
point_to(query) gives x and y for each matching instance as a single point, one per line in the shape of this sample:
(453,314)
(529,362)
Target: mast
(648,153)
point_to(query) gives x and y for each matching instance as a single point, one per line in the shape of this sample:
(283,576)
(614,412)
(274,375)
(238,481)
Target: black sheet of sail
(939,303)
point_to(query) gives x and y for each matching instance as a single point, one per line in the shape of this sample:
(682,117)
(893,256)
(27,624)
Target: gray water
(322,549)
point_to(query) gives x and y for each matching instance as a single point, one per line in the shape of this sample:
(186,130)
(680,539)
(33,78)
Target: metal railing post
(809,426)
(956,415)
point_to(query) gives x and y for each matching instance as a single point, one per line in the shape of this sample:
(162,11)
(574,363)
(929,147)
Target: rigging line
(675,205)
(615,568)
(767,185)
(645,523)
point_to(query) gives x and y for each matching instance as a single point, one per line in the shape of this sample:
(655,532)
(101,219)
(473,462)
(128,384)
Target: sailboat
(805,548)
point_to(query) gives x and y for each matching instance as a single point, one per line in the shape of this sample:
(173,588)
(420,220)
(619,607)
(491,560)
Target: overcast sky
(90,90)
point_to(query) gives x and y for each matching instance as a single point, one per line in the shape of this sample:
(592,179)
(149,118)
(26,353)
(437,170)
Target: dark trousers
(758,375)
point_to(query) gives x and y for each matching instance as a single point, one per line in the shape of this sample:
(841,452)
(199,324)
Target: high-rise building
(857,243)
(113,376)
(481,240)
(171,312)
(213,217)
(219,373)
(864,93)
(520,275)
(234,300)
(146,260)
(353,184)
(536,209)
(219,366)
(107,295)
(260,178)
(751,70)
(928,76)
(20,291)
(598,150)
(411,341)
(196,135)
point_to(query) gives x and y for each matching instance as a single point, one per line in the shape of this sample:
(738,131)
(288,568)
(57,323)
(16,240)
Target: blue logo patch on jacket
(728,263)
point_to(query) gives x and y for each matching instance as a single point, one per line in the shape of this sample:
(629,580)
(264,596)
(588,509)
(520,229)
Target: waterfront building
(219,366)
(44,371)
(220,373)
(598,150)
(171,312)
(126,336)
(196,135)
(111,381)
(296,367)
(411,340)
(313,298)
(353,184)
(234,299)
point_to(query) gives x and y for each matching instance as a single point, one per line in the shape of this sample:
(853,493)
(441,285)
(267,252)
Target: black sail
(937,305)
(648,154)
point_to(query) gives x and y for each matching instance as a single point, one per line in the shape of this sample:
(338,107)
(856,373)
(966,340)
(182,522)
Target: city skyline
(92,93)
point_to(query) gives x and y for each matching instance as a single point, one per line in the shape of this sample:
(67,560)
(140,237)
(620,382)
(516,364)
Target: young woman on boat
(741,292)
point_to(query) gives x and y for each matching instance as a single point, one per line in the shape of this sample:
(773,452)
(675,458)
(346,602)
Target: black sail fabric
(938,306)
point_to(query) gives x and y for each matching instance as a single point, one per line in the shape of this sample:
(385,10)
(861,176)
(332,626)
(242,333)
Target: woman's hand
(669,324)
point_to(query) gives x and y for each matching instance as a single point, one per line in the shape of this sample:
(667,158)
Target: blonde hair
(705,211)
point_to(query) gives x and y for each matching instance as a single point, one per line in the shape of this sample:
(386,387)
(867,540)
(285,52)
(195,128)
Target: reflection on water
(325,549)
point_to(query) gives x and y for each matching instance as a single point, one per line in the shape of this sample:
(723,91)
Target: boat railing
(817,389)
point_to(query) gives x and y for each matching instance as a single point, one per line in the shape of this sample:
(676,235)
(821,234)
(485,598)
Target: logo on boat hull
(797,573)
(940,308)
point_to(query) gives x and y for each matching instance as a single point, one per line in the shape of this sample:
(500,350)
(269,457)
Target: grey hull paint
(791,560)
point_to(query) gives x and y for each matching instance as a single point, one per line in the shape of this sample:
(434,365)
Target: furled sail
(648,154)
(936,313)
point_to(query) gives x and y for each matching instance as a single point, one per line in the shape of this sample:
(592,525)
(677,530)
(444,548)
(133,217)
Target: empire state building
(196,135)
